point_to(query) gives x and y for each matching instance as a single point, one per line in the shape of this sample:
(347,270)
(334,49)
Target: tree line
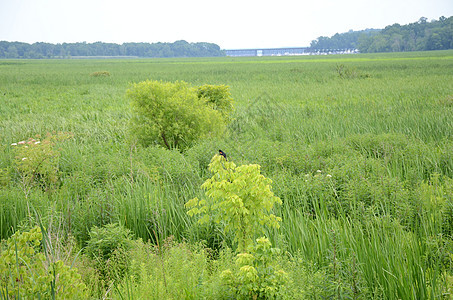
(66,50)
(418,36)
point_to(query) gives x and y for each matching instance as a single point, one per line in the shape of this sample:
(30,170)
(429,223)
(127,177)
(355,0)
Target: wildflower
(319,171)
(14,144)
(328,175)
(21,142)
(38,142)
(24,158)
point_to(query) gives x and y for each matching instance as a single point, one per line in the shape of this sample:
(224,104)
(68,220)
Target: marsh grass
(388,259)
(375,222)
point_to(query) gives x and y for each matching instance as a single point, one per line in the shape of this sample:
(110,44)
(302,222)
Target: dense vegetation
(357,149)
(418,36)
(67,50)
(175,115)
(347,40)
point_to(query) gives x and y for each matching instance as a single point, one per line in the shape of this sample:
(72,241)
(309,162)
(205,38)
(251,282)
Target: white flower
(14,144)
(328,175)
(21,142)
(319,171)
(38,142)
(24,158)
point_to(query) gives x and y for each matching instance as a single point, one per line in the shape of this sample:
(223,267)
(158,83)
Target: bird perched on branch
(223,154)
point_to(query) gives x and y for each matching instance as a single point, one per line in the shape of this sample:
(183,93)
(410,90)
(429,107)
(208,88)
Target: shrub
(256,276)
(37,161)
(218,96)
(348,72)
(240,197)
(108,248)
(25,272)
(100,74)
(174,115)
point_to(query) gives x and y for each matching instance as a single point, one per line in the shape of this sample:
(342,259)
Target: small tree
(240,197)
(173,114)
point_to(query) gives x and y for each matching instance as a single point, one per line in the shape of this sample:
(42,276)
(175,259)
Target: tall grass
(364,165)
(391,260)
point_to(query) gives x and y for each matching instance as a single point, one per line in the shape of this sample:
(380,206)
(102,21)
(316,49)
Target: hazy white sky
(230,24)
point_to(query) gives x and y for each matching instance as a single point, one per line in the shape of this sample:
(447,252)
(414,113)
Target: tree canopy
(348,40)
(418,36)
(174,114)
(66,50)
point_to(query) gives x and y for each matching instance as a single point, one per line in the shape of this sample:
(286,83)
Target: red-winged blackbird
(222,153)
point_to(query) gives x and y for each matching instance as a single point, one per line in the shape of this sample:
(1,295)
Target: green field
(359,149)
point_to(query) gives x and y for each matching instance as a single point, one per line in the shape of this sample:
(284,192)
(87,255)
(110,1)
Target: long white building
(286,51)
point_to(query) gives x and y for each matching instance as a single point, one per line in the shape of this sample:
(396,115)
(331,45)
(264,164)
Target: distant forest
(419,36)
(67,50)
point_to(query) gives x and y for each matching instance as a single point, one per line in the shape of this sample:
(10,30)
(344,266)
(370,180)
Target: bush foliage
(108,247)
(175,115)
(25,272)
(239,197)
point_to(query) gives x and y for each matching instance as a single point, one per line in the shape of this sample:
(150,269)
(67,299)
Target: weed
(346,72)
(100,74)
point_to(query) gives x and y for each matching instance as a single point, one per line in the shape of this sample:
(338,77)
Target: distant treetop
(100,49)
(419,36)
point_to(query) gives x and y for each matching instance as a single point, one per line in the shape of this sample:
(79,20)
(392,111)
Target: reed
(374,222)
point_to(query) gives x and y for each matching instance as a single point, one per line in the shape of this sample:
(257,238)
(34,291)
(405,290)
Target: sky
(231,24)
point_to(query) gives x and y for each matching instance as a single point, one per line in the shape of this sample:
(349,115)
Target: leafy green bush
(348,72)
(256,275)
(174,115)
(100,74)
(240,197)
(108,248)
(26,273)
(37,161)
(219,97)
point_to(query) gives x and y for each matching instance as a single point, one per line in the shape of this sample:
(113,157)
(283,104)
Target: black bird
(222,153)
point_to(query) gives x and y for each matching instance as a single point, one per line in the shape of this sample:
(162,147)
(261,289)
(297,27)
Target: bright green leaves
(219,97)
(239,197)
(25,272)
(256,275)
(175,115)
(242,199)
